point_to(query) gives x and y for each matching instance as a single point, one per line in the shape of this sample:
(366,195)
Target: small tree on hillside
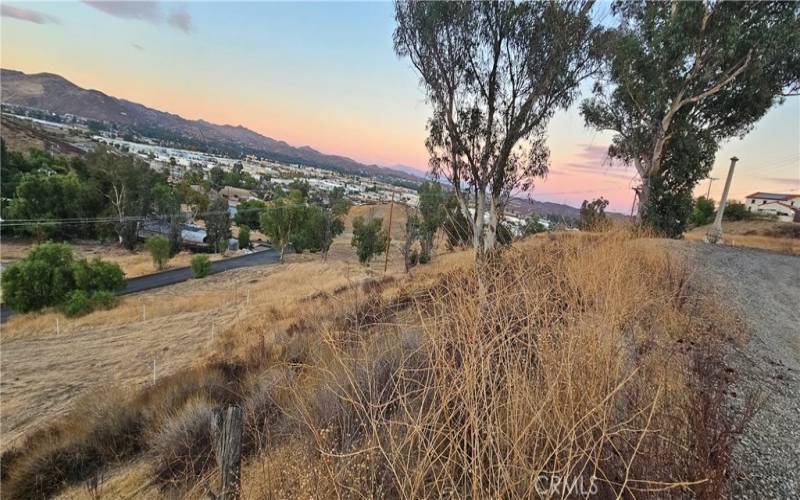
(159,249)
(593,215)
(412,234)
(248,213)
(282,218)
(244,237)
(432,214)
(369,238)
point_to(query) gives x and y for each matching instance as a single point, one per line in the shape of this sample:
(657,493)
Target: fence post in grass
(228,431)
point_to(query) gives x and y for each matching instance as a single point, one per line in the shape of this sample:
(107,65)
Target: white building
(784,206)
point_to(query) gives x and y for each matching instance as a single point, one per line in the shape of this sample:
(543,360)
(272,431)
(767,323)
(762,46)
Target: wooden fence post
(229,452)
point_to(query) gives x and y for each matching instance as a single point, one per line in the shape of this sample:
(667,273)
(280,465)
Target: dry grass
(781,237)
(595,360)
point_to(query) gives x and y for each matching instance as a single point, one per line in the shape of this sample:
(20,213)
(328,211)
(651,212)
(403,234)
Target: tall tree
(218,224)
(494,74)
(432,213)
(684,76)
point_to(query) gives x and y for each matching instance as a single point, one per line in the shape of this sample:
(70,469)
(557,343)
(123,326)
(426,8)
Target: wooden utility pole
(710,181)
(389,236)
(714,234)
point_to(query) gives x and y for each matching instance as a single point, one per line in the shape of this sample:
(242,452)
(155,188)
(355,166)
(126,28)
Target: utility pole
(389,236)
(710,181)
(714,234)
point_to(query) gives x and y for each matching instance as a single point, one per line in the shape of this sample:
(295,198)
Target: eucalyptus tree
(680,78)
(494,74)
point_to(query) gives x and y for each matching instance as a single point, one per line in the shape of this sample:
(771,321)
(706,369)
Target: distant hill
(54,93)
(51,92)
(21,136)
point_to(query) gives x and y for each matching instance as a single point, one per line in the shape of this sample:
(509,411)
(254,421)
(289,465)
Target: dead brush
(571,376)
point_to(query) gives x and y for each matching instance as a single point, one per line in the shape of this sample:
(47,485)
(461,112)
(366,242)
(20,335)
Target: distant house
(786,207)
(236,195)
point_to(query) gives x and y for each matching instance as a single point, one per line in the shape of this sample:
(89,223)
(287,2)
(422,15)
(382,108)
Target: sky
(324,74)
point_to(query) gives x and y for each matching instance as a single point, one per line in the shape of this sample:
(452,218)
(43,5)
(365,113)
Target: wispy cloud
(787,181)
(29,15)
(143,11)
(593,159)
(147,11)
(181,19)
(136,46)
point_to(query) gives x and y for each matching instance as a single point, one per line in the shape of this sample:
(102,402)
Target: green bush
(77,303)
(244,237)
(159,248)
(98,275)
(42,279)
(201,266)
(103,299)
(50,276)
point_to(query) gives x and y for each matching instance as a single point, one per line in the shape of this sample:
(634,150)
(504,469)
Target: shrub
(702,211)
(201,266)
(98,275)
(369,238)
(184,448)
(77,303)
(159,248)
(736,210)
(244,237)
(42,279)
(103,299)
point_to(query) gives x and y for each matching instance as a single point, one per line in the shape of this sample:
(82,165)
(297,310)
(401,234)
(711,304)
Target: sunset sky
(324,75)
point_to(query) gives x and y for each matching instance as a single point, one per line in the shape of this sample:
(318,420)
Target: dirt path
(765,287)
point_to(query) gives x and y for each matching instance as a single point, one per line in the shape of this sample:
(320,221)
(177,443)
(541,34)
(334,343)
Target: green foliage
(736,210)
(702,211)
(218,225)
(49,274)
(52,196)
(432,214)
(533,226)
(684,76)
(217,177)
(174,236)
(248,213)
(201,266)
(159,248)
(77,303)
(593,215)
(456,226)
(164,200)
(369,238)
(283,218)
(244,236)
(494,74)
(42,279)
(98,275)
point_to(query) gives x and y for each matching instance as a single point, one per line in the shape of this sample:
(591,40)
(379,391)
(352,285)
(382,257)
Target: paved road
(164,278)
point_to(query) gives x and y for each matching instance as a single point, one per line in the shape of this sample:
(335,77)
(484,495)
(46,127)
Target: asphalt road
(164,278)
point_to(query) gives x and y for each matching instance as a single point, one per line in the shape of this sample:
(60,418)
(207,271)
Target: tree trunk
(644,199)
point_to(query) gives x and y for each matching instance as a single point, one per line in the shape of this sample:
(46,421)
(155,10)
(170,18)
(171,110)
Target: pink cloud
(29,15)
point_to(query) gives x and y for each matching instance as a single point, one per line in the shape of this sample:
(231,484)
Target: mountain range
(54,93)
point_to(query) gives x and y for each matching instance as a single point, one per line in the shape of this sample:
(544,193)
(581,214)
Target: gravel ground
(765,287)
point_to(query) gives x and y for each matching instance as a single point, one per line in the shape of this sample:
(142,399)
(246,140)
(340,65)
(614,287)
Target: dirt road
(765,287)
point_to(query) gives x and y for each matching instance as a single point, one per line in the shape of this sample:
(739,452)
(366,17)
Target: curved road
(164,278)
